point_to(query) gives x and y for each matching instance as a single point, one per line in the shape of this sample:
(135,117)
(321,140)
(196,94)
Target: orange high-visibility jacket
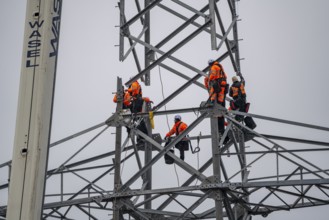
(181,127)
(237,90)
(126,99)
(216,72)
(135,89)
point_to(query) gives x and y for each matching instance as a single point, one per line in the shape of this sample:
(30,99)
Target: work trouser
(219,93)
(240,105)
(137,104)
(182,146)
(142,128)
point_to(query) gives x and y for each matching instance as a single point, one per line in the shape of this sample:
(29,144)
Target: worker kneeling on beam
(177,129)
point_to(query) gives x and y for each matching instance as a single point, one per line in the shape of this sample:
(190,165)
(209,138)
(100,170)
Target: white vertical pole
(33,121)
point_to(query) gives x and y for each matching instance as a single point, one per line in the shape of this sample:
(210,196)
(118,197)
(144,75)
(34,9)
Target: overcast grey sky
(285,46)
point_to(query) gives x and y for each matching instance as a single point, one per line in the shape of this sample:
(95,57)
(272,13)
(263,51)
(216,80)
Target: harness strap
(177,128)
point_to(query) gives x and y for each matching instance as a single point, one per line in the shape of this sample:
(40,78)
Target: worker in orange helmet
(137,103)
(135,89)
(216,83)
(126,99)
(238,93)
(177,129)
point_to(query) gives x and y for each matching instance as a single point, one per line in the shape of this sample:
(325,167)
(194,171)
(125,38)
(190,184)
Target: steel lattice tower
(229,191)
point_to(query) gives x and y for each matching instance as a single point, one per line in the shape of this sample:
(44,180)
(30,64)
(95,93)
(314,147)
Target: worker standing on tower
(217,87)
(238,93)
(177,129)
(137,102)
(135,91)
(239,102)
(216,83)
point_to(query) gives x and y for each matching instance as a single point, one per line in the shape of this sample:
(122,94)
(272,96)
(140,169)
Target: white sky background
(284,45)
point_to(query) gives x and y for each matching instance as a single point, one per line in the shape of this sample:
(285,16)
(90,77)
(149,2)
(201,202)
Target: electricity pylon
(236,187)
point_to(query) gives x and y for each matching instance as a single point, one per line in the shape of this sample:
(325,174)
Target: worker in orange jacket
(137,102)
(135,91)
(238,93)
(217,87)
(126,99)
(177,129)
(216,83)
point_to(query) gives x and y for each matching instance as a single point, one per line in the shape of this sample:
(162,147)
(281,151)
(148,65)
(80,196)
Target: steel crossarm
(297,140)
(279,120)
(221,186)
(275,145)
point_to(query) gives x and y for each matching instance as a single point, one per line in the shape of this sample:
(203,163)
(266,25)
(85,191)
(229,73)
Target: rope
(163,96)
(198,158)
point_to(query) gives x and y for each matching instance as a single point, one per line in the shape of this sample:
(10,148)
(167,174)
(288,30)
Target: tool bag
(182,145)
(250,123)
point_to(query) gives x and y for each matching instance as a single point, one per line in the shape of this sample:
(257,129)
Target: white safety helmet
(234,79)
(177,117)
(211,61)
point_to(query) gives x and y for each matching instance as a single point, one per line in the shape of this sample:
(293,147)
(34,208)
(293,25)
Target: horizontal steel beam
(281,120)
(221,186)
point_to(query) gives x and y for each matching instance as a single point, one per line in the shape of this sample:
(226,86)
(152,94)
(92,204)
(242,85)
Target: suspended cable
(162,91)
(163,96)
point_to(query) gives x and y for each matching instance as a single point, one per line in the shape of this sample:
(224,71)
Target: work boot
(210,103)
(239,118)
